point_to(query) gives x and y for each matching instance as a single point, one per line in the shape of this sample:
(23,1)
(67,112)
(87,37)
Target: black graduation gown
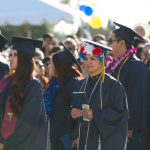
(60,124)
(4,69)
(134,78)
(110,123)
(30,131)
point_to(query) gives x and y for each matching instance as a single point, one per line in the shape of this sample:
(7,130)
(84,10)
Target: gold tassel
(103,68)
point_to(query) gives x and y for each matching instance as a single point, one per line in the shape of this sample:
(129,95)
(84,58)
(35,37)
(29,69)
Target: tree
(26,30)
(65,1)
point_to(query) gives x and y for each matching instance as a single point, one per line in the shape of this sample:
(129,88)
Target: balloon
(82,7)
(93,4)
(95,22)
(88,10)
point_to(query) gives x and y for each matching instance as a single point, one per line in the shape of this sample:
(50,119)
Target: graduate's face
(52,71)
(13,59)
(46,65)
(114,44)
(47,42)
(92,65)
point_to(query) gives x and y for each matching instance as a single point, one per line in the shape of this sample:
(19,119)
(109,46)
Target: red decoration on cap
(97,51)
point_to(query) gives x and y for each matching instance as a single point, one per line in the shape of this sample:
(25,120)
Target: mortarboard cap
(67,56)
(126,33)
(98,44)
(24,44)
(38,43)
(3,41)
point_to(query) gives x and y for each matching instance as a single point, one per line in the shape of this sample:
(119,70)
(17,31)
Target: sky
(127,12)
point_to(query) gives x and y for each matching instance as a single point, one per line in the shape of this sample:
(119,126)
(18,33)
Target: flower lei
(112,64)
(49,95)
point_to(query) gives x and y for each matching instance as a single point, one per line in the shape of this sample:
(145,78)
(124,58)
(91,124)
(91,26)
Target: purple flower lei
(112,63)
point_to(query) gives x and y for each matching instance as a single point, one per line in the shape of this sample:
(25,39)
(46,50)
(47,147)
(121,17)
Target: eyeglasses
(110,41)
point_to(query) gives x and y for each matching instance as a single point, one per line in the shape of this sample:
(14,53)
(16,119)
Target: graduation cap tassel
(103,67)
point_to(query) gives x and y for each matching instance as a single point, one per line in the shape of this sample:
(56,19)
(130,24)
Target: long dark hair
(23,74)
(64,73)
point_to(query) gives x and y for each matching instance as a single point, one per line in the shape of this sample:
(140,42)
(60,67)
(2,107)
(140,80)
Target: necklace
(94,89)
(84,85)
(112,64)
(88,128)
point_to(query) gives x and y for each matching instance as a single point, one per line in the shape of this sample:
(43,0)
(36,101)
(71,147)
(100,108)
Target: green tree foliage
(26,29)
(65,1)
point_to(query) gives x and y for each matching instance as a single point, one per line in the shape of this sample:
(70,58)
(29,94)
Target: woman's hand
(76,113)
(130,134)
(1,146)
(75,143)
(87,113)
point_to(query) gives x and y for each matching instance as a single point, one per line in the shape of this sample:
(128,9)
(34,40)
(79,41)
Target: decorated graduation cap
(126,33)
(96,49)
(3,41)
(67,56)
(24,44)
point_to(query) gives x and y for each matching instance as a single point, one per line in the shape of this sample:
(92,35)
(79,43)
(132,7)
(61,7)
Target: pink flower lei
(112,64)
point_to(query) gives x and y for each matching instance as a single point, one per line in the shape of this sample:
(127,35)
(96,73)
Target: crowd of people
(76,94)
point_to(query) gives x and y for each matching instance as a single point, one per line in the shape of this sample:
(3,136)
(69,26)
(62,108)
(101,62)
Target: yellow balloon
(93,4)
(96,22)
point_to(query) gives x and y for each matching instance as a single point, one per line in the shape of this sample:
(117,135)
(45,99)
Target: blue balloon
(82,7)
(88,11)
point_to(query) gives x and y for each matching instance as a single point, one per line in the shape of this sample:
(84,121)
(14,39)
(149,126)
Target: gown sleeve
(115,113)
(31,124)
(136,87)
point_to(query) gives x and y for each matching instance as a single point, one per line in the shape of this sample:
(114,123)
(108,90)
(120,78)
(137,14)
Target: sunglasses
(110,41)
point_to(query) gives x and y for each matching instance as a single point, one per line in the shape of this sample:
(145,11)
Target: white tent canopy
(35,12)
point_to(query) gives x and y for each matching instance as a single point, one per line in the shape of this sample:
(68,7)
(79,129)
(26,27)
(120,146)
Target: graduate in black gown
(4,68)
(65,76)
(106,127)
(133,75)
(22,117)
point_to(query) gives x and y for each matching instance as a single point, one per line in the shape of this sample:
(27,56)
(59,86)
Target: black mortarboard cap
(3,41)
(38,43)
(24,44)
(67,56)
(98,44)
(126,33)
